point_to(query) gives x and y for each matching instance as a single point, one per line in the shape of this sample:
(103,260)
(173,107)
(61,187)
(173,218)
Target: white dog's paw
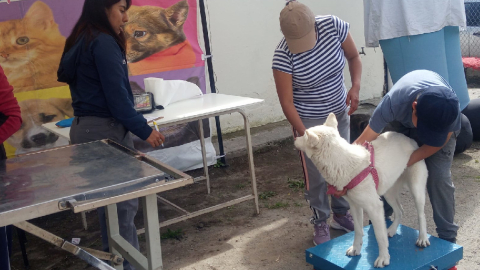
(353,251)
(382,261)
(392,230)
(422,242)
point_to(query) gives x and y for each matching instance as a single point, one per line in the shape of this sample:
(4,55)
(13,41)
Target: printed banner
(161,42)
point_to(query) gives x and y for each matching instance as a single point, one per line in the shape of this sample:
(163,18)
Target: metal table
(84,177)
(196,109)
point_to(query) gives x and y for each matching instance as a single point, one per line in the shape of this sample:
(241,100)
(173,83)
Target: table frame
(149,203)
(253,196)
(119,247)
(190,118)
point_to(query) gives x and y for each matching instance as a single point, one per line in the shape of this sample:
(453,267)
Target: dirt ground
(237,238)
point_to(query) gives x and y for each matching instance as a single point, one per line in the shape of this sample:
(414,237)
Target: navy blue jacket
(98,80)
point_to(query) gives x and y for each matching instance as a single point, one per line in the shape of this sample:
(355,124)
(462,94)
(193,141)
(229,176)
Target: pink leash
(362,175)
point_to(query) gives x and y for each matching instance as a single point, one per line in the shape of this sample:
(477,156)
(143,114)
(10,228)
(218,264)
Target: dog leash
(361,176)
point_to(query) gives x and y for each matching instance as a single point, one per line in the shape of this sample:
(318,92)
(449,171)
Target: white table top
(204,105)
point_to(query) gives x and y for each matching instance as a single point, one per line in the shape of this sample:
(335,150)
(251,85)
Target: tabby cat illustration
(30,49)
(156,40)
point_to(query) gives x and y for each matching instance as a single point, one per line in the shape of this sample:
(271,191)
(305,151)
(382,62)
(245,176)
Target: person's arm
(381,116)
(425,151)
(367,135)
(355,68)
(110,63)
(9,109)
(283,82)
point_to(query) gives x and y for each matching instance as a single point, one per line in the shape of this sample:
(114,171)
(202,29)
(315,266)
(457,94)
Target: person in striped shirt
(308,68)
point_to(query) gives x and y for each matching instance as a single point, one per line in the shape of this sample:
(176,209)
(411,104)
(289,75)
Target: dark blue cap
(437,109)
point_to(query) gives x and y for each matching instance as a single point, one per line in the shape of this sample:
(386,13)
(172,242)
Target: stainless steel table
(84,177)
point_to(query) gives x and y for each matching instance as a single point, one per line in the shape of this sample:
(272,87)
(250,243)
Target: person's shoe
(342,222)
(321,233)
(453,268)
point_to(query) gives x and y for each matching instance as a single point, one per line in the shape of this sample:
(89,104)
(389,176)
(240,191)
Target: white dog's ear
(331,121)
(312,138)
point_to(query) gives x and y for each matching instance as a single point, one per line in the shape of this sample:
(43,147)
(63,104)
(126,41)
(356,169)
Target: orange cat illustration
(156,41)
(30,49)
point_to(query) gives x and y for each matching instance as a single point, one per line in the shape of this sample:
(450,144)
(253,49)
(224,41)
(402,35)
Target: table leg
(84,221)
(204,154)
(113,230)
(152,232)
(119,246)
(22,239)
(250,158)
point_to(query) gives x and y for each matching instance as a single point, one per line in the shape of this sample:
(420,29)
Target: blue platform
(404,254)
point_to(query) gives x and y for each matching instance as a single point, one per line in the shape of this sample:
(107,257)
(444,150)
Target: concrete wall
(243,37)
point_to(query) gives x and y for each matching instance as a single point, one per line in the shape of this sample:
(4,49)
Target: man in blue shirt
(424,107)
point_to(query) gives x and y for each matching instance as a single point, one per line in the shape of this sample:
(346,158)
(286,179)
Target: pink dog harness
(362,175)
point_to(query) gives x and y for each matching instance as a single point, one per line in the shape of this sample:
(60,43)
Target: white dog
(339,162)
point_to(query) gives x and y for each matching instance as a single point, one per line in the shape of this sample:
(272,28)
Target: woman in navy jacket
(94,66)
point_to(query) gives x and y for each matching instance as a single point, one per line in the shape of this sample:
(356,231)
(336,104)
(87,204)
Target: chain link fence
(470,39)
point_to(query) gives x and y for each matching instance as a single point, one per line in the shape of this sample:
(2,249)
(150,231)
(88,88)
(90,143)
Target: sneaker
(453,268)
(342,223)
(321,233)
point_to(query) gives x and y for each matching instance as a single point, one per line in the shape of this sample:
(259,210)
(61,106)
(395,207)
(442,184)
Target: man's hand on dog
(155,139)
(341,193)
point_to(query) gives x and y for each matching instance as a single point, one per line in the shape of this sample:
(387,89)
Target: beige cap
(297,23)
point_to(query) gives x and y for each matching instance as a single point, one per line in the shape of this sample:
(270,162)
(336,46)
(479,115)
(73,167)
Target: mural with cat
(31,48)
(32,37)
(156,39)
(30,51)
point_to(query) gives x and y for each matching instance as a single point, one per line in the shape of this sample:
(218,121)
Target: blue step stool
(404,254)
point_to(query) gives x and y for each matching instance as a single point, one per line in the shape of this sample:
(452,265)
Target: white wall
(243,37)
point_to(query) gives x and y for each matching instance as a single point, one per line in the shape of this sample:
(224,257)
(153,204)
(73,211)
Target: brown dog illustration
(35,112)
(156,41)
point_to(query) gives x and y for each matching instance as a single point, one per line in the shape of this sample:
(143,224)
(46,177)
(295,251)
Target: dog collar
(362,175)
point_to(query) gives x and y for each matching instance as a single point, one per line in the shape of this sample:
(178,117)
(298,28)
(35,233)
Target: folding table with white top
(196,109)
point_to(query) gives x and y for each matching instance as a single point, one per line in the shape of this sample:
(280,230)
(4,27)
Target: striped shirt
(317,74)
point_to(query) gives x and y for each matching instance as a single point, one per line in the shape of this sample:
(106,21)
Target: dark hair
(94,20)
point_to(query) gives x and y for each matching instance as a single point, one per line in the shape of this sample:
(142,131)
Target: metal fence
(470,38)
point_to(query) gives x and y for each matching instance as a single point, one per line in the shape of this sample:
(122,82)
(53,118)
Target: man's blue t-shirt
(397,103)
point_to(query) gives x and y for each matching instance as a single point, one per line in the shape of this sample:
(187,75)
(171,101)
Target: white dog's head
(315,137)
(335,158)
